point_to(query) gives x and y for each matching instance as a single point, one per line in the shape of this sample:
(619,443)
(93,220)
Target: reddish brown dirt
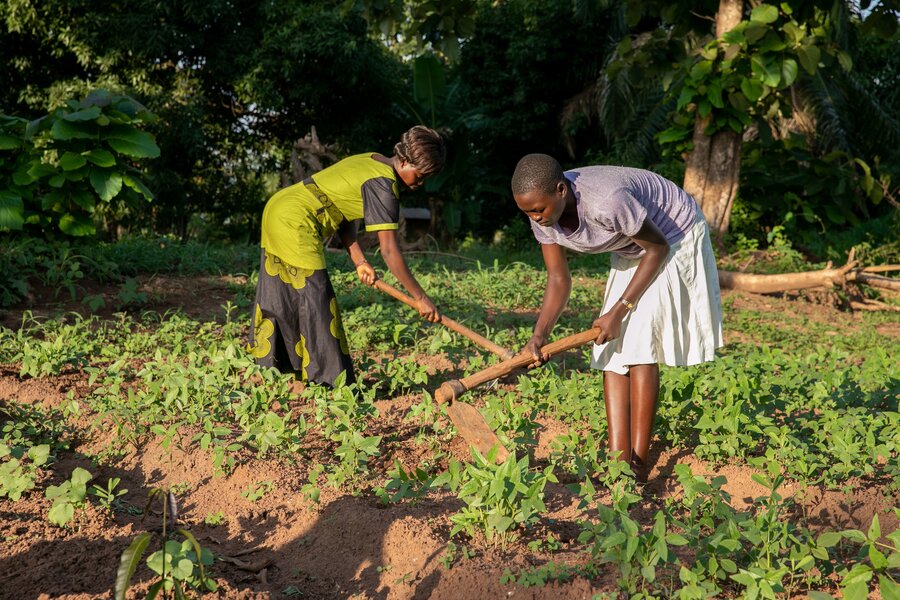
(345,546)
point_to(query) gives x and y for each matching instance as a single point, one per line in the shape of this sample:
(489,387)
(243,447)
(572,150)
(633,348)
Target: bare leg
(617,394)
(644,395)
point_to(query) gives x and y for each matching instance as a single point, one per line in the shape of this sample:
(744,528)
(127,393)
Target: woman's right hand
(533,347)
(427,309)
(366,273)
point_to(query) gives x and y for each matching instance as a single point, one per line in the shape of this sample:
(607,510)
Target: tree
(737,67)
(234,86)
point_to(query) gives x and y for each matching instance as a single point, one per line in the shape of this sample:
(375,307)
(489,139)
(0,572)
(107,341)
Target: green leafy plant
(17,475)
(68,496)
(215,519)
(498,498)
(55,169)
(109,497)
(257,491)
(180,565)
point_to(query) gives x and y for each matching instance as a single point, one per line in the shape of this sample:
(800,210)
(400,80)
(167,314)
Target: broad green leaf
(752,89)
(84,199)
(789,71)
(183,568)
(764,13)
(107,183)
(61,513)
(756,32)
(854,535)
(714,94)
(877,558)
(820,596)
(76,225)
(131,141)
(857,590)
(88,114)
(809,58)
(701,69)
(70,130)
(80,476)
(39,169)
(12,211)
(889,590)
(766,69)
(39,454)
(829,539)
(771,43)
(71,161)
(101,157)
(845,60)
(8,142)
(128,563)
(874,532)
(795,33)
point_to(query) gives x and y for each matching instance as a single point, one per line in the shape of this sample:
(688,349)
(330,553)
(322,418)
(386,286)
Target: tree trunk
(713,166)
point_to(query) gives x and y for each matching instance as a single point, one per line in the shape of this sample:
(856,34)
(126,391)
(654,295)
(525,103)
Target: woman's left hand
(610,327)
(366,273)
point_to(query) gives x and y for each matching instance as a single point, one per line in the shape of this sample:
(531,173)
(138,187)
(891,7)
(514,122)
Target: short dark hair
(536,172)
(423,148)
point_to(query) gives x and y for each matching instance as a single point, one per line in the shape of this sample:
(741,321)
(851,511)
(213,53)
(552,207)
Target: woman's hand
(533,347)
(610,326)
(427,309)
(366,273)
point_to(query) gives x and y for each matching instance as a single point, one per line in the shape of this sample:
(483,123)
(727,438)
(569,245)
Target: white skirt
(678,320)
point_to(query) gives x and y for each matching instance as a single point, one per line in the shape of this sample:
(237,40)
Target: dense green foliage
(54,170)
(235,86)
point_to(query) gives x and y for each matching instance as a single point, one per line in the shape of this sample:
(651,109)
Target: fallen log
(827,278)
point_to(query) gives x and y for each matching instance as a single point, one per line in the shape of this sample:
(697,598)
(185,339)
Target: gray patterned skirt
(297,325)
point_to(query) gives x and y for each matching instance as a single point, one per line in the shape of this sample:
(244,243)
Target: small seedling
(108,498)
(257,491)
(215,519)
(68,496)
(180,565)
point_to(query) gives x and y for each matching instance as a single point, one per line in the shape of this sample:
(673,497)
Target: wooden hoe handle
(453,389)
(447,322)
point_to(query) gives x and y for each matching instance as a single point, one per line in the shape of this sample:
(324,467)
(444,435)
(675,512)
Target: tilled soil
(346,545)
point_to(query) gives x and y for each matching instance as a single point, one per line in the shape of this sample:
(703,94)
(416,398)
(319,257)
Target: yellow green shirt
(298,218)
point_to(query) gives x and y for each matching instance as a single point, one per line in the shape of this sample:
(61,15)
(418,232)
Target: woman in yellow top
(297,325)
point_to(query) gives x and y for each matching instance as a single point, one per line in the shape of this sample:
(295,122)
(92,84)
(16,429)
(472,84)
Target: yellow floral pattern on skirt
(291,275)
(303,353)
(262,335)
(337,329)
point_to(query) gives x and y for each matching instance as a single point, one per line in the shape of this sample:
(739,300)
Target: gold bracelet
(629,305)
(361,263)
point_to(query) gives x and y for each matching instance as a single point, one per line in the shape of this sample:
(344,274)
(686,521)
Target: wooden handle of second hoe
(453,389)
(447,322)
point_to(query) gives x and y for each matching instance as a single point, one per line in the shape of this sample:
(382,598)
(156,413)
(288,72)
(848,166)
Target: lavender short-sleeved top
(612,204)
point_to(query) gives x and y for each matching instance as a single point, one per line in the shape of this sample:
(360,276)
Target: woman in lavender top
(662,301)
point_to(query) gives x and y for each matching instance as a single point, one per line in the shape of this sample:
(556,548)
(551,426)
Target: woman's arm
(393,258)
(652,240)
(556,294)
(347,231)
